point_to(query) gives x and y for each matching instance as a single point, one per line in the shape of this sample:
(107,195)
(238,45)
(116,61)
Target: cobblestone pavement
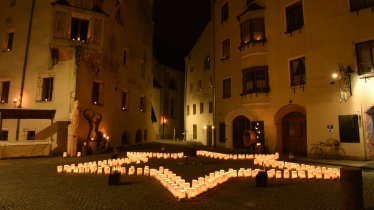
(33,183)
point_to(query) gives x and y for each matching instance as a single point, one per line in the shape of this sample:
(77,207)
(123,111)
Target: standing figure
(72,141)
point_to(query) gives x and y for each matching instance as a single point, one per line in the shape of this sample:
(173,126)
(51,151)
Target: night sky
(178,24)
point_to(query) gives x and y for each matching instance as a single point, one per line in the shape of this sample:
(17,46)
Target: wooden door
(294,134)
(239,125)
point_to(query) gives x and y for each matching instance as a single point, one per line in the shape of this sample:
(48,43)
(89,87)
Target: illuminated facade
(273,68)
(94,51)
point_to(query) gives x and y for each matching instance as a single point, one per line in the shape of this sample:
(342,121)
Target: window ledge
(295,29)
(366,75)
(225,58)
(256,91)
(251,43)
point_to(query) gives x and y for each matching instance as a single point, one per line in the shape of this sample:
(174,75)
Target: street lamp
(163,121)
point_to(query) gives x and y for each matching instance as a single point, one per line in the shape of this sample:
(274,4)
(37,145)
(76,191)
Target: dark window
(194,133)
(47,89)
(255,80)
(294,17)
(12,3)
(211,82)
(225,49)
(207,62)
(252,30)
(226,88)
(225,12)
(356,5)
(172,85)
(210,106)
(194,109)
(4,135)
(5,91)
(191,87)
(142,104)
(200,85)
(10,41)
(188,110)
(98,93)
(297,71)
(201,108)
(138,136)
(172,109)
(222,132)
(365,57)
(125,101)
(79,29)
(348,128)
(30,135)
(54,55)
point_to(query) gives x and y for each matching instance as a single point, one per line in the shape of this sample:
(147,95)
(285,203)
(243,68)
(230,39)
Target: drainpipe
(25,64)
(214,70)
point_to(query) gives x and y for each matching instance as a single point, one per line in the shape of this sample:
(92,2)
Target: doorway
(239,125)
(294,134)
(209,135)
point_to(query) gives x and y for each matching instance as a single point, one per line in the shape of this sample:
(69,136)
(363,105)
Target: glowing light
(334,75)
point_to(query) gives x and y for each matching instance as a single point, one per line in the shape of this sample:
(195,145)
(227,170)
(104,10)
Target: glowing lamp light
(334,75)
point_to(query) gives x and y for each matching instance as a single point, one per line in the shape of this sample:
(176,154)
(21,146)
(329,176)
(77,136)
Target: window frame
(253,74)
(247,29)
(292,16)
(225,12)
(225,49)
(47,89)
(227,93)
(79,32)
(5,87)
(361,72)
(301,81)
(201,107)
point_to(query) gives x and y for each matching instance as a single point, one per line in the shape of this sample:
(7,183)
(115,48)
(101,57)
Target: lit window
(252,30)
(225,12)
(255,80)
(47,89)
(365,57)
(225,49)
(297,71)
(79,29)
(226,88)
(97,93)
(125,101)
(4,86)
(294,17)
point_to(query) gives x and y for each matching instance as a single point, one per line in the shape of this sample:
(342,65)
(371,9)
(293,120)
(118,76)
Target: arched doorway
(124,139)
(294,133)
(239,125)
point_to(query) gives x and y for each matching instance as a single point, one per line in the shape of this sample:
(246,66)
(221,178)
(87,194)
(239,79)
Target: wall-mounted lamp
(330,128)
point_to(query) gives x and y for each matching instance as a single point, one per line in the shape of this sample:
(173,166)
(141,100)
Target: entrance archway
(290,123)
(124,139)
(294,133)
(239,125)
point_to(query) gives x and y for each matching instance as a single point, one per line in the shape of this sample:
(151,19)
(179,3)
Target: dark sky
(178,24)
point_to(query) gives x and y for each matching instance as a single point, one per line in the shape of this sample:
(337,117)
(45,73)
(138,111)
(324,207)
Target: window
(356,5)
(190,87)
(200,85)
(4,89)
(297,71)
(225,12)
(252,30)
(9,37)
(47,89)
(255,80)
(294,17)
(226,88)
(142,104)
(125,101)
(12,3)
(188,110)
(194,131)
(365,57)
(79,29)
(4,135)
(348,128)
(210,106)
(97,93)
(30,135)
(118,12)
(222,132)
(172,109)
(207,62)
(225,49)
(172,85)
(194,109)
(211,82)
(201,107)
